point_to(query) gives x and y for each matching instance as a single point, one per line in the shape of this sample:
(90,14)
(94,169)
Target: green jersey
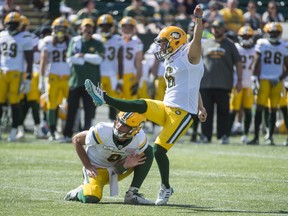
(81,72)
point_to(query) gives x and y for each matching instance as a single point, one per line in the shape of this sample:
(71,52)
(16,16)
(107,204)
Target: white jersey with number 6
(181,77)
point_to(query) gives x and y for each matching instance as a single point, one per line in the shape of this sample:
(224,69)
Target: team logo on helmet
(176,35)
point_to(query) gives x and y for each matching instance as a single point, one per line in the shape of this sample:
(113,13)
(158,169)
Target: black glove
(134,89)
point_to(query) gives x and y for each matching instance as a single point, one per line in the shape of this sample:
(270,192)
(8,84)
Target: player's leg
(33,98)
(53,92)
(99,98)
(140,172)
(92,189)
(14,99)
(175,123)
(3,94)
(274,99)
(248,100)
(264,92)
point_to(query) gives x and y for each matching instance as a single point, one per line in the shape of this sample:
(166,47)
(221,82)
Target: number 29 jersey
(272,58)
(12,50)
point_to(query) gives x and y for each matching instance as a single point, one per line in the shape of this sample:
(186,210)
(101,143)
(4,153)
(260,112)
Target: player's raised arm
(194,54)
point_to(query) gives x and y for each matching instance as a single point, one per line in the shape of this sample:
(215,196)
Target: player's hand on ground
(202,115)
(91,171)
(134,160)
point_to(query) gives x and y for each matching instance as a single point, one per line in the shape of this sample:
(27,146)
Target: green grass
(209,179)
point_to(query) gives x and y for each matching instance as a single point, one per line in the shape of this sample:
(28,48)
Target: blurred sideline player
(144,87)
(159,84)
(112,65)
(245,97)
(53,56)
(271,58)
(16,47)
(112,152)
(32,98)
(133,56)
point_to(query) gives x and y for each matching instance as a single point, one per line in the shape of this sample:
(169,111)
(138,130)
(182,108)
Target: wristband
(198,17)
(120,169)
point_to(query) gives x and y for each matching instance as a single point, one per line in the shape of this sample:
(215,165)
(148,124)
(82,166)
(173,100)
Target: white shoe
(244,139)
(134,198)
(38,132)
(12,135)
(72,195)
(21,133)
(95,92)
(163,195)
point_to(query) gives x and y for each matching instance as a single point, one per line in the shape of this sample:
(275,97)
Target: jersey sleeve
(28,45)
(92,137)
(143,142)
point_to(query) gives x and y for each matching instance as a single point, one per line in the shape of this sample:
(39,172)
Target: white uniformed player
(244,98)
(182,101)
(32,98)
(271,59)
(16,47)
(112,65)
(53,56)
(113,151)
(133,56)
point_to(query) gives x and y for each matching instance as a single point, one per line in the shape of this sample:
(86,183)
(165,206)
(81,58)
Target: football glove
(255,85)
(134,89)
(41,85)
(25,86)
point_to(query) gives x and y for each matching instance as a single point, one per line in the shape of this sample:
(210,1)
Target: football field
(211,179)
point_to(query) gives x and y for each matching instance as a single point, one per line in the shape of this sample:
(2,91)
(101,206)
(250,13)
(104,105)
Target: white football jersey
(103,152)
(130,49)
(272,58)
(57,56)
(12,50)
(248,61)
(182,81)
(109,66)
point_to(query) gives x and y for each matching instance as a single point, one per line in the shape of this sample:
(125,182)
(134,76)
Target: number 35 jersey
(57,56)
(272,58)
(12,50)
(104,153)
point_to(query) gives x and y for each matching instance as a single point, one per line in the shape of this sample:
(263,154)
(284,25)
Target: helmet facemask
(122,130)
(106,30)
(59,32)
(246,41)
(165,49)
(12,27)
(274,36)
(127,125)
